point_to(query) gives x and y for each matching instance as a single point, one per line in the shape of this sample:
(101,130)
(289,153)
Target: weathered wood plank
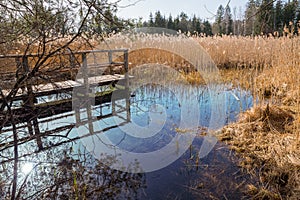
(69,85)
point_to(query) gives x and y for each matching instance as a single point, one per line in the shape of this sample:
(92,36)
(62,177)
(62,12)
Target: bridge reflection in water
(54,164)
(63,168)
(40,149)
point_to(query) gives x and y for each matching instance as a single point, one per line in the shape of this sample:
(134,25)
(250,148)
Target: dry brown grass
(268,66)
(267,137)
(163,57)
(148,55)
(262,51)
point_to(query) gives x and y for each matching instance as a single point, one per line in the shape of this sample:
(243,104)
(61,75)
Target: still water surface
(65,169)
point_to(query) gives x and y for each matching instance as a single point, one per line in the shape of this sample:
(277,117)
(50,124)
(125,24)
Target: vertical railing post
(109,57)
(85,70)
(20,71)
(113,106)
(88,104)
(29,100)
(127,85)
(126,62)
(77,114)
(110,62)
(72,61)
(19,68)
(113,103)
(29,104)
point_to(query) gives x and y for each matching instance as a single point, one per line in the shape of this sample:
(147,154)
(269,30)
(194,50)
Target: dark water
(66,167)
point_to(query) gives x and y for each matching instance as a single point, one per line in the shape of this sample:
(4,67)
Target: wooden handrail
(64,53)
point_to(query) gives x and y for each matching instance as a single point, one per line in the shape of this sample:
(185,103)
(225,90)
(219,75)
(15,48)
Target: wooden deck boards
(68,85)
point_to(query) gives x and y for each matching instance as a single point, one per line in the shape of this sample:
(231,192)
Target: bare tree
(39,32)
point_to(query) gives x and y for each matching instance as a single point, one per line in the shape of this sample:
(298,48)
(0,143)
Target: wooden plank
(56,87)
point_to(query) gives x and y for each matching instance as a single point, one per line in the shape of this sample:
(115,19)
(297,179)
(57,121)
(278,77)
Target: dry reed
(267,137)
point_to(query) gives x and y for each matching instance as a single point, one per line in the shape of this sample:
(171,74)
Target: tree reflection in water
(59,167)
(62,173)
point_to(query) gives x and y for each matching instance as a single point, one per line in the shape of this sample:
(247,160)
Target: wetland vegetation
(43,154)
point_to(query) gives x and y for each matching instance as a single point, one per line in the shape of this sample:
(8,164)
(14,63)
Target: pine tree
(176,23)
(183,23)
(170,23)
(265,16)
(278,18)
(159,20)
(290,13)
(228,22)
(151,22)
(207,29)
(198,26)
(194,24)
(219,20)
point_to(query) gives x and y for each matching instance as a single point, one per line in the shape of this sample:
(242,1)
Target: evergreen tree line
(269,16)
(182,22)
(260,17)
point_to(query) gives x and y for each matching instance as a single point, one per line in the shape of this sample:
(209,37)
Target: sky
(205,9)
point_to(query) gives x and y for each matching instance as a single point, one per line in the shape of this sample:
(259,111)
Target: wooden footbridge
(91,75)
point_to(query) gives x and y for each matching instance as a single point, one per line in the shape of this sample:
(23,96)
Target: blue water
(217,174)
(147,97)
(214,176)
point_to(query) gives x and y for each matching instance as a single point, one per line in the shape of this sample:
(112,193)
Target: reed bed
(267,137)
(256,52)
(268,66)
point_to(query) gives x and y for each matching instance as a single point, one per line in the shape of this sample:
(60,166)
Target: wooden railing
(72,61)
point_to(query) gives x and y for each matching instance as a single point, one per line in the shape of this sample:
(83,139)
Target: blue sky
(201,8)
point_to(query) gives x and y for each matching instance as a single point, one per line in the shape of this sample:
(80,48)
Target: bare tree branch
(131,4)
(260,10)
(212,13)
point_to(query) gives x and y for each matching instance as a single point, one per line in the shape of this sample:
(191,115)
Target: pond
(78,157)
